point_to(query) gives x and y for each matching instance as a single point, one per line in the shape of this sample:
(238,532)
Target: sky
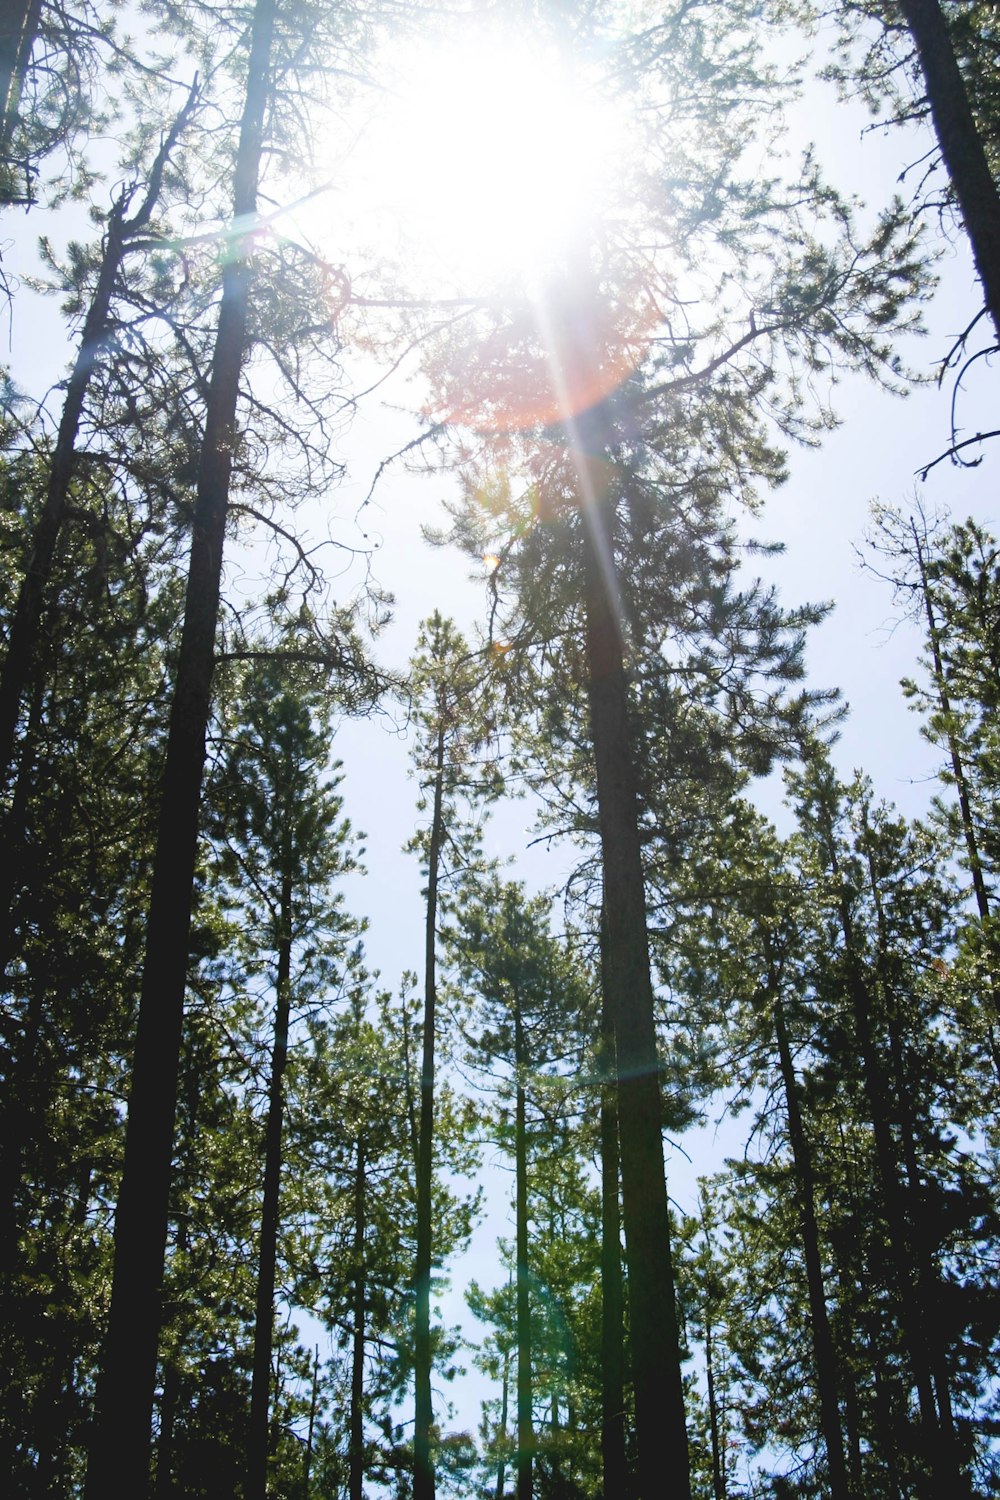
(820,515)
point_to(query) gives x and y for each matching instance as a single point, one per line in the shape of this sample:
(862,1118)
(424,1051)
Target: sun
(489,158)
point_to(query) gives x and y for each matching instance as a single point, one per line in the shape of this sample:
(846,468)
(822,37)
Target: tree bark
(423,1464)
(263,1337)
(356,1441)
(307,1457)
(718,1461)
(119,1457)
(504,1393)
(18,28)
(961,143)
(613,1463)
(661,1438)
(524,1460)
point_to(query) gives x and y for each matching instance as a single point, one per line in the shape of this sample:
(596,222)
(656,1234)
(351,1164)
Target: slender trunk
(504,1393)
(119,1459)
(876,1089)
(524,1461)
(18,30)
(718,1464)
(23,633)
(961,143)
(14,872)
(21,1117)
(58,1399)
(263,1335)
(613,1463)
(356,1440)
(307,1457)
(164,1486)
(423,1464)
(928,1283)
(21,1102)
(954,749)
(827,1380)
(852,1426)
(663,1466)
(555,1448)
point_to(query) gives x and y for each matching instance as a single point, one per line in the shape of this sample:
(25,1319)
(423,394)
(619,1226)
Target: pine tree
(454,729)
(284,842)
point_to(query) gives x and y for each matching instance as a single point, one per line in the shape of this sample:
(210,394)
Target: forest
(311,306)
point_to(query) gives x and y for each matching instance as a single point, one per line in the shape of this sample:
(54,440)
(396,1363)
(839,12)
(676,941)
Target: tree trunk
(307,1457)
(23,633)
(504,1392)
(524,1461)
(356,1440)
(18,30)
(663,1465)
(718,1460)
(263,1336)
(928,1283)
(960,142)
(876,1090)
(164,1486)
(827,1379)
(119,1458)
(423,1465)
(613,1465)
(954,750)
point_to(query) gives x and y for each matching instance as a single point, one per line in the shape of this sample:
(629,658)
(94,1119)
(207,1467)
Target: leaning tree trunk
(263,1337)
(960,142)
(661,1438)
(18,29)
(524,1462)
(23,632)
(423,1465)
(119,1458)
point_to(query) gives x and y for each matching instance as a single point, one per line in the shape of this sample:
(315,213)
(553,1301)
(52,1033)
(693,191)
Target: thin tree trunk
(961,143)
(718,1462)
(164,1486)
(504,1395)
(20,1106)
(824,1355)
(613,1464)
(928,1284)
(356,1441)
(18,29)
(954,750)
(423,1465)
(524,1461)
(23,633)
(876,1090)
(263,1337)
(313,1407)
(661,1438)
(119,1459)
